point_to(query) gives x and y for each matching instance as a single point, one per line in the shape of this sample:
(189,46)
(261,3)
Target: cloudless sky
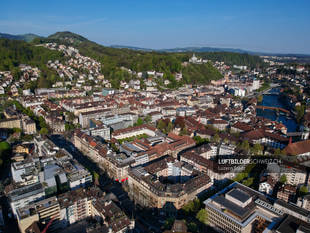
(258,25)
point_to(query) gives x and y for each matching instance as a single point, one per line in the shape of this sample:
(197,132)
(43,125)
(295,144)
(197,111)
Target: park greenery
(303,190)
(283,179)
(199,140)
(130,139)
(165,125)
(264,87)
(141,121)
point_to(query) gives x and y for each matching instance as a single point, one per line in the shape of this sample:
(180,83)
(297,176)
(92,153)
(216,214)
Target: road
(272,85)
(108,185)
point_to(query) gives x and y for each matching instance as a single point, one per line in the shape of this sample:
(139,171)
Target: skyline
(276,27)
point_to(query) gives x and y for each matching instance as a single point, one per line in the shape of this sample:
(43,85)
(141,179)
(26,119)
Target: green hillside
(231,58)
(139,61)
(67,37)
(15,52)
(25,37)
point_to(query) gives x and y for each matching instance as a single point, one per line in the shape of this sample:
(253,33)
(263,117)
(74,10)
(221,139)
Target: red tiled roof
(242,126)
(298,148)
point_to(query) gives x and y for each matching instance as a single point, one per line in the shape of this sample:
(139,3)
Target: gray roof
(239,195)
(26,191)
(232,207)
(291,224)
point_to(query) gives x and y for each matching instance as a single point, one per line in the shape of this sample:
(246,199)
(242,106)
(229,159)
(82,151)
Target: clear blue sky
(258,25)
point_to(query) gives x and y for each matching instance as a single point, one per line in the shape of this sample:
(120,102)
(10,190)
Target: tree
(240,176)
(192,206)
(71,116)
(69,126)
(277,152)
(169,127)
(216,138)
(303,190)
(300,112)
(161,125)
(202,216)
(96,178)
(245,146)
(283,179)
(260,99)
(139,122)
(192,227)
(148,119)
(42,122)
(248,182)
(5,150)
(183,131)
(198,140)
(257,149)
(4,146)
(168,223)
(43,131)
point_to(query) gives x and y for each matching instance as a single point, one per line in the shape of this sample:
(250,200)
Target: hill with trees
(25,37)
(67,37)
(13,53)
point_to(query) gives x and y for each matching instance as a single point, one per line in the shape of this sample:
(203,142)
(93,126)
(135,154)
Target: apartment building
(147,186)
(240,209)
(20,197)
(45,211)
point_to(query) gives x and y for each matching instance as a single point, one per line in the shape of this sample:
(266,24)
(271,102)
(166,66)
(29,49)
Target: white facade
(265,187)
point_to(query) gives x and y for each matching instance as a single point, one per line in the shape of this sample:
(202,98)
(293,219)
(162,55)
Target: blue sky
(258,25)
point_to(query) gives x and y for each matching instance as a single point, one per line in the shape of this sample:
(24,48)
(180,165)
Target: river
(274,101)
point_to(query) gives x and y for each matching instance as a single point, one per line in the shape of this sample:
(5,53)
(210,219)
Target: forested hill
(13,53)
(231,58)
(25,37)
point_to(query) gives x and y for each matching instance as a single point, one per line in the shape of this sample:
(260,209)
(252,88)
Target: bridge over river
(278,109)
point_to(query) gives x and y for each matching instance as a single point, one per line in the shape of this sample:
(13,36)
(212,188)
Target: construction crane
(48,225)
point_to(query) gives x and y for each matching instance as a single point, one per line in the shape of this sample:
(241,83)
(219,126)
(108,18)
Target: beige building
(11,123)
(29,126)
(147,185)
(71,207)
(44,211)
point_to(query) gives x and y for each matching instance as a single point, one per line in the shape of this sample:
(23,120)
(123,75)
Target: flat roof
(239,195)
(291,224)
(232,207)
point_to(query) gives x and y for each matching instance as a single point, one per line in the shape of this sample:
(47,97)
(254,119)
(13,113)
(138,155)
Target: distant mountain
(68,37)
(25,37)
(211,49)
(131,47)
(203,50)
(185,49)
(73,38)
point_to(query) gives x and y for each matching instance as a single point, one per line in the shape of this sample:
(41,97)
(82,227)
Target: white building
(23,196)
